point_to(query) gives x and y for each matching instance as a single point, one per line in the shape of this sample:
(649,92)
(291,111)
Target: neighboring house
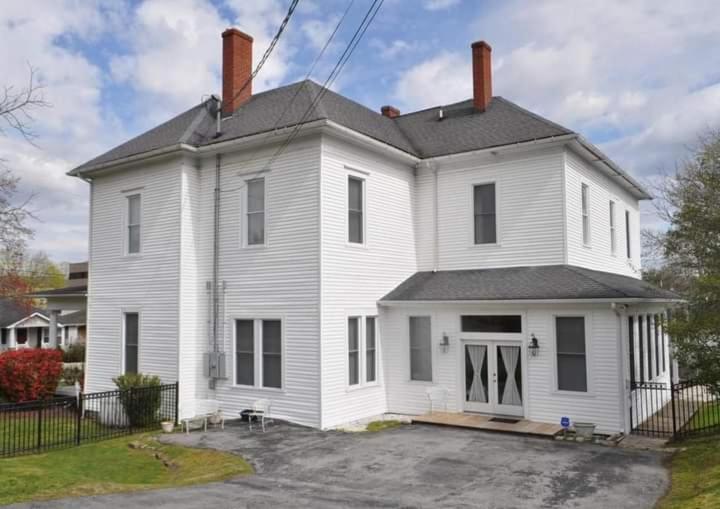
(23,327)
(374,257)
(67,305)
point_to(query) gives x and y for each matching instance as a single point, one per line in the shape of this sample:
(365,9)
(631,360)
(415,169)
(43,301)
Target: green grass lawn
(695,476)
(110,467)
(706,416)
(381,425)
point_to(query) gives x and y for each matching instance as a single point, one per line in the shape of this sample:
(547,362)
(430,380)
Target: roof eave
(86,171)
(603,300)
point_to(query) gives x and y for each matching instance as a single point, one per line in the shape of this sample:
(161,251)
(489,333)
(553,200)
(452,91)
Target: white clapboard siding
(598,254)
(147,283)
(528,204)
(543,403)
(280,280)
(355,277)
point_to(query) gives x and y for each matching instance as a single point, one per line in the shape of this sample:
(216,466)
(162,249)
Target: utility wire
(270,48)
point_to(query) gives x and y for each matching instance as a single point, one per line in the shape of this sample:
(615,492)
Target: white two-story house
(297,246)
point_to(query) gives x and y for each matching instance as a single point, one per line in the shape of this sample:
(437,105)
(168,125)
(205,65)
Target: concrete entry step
(485,423)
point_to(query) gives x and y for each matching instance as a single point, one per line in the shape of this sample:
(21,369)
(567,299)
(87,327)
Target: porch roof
(538,283)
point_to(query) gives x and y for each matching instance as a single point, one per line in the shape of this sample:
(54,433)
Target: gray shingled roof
(549,282)
(419,133)
(68,291)
(75,318)
(11,311)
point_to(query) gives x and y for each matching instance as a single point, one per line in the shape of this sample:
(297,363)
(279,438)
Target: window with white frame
(255,212)
(613,236)
(627,234)
(362,349)
(585,202)
(420,348)
(571,354)
(356,199)
(258,353)
(134,212)
(131,342)
(484,214)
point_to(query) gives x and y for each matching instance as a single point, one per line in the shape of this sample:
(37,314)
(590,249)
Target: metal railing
(676,411)
(39,426)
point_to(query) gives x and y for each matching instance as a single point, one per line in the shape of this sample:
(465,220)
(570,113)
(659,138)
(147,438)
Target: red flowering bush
(27,375)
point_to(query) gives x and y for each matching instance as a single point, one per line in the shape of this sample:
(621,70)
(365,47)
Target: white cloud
(443,79)
(318,31)
(392,49)
(438,5)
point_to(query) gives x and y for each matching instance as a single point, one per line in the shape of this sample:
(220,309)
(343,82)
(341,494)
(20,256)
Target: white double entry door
(493,377)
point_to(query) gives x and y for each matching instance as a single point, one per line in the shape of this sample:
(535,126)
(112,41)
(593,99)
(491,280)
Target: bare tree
(16,108)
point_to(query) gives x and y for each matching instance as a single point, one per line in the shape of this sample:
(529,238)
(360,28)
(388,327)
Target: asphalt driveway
(412,466)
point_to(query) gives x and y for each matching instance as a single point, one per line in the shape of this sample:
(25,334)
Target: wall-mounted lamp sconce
(534,346)
(445,343)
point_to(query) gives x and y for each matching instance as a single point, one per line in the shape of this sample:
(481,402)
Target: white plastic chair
(437,396)
(261,411)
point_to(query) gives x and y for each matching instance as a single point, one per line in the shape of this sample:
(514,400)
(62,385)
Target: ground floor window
(420,348)
(258,353)
(131,341)
(362,349)
(571,353)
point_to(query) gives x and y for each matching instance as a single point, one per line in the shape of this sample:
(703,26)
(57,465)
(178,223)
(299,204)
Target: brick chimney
(390,111)
(237,68)
(482,75)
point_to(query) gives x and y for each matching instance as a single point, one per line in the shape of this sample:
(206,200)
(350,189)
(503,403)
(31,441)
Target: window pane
(353,333)
(256,228)
(272,334)
(571,373)
(245,368)
(420,348)
(353,368)
(571,335)
(370,348)
(355,227)
(485,199)
(485,229)
(134,239)
(491,323)
(571,361)
(272,371)
(627,233)
(256,195)
(355,195)
(131,342)
(134,209)
(245,335)
(353,351)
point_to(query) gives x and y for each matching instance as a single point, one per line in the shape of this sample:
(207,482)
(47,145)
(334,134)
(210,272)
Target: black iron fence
(39,426)
(676,411)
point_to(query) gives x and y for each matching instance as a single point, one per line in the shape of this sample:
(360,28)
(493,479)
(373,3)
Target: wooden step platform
(484,422)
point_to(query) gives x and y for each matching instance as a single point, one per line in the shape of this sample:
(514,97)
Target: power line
(270,48)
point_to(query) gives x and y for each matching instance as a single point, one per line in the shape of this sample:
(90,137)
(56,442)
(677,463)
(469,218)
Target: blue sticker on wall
(565,422)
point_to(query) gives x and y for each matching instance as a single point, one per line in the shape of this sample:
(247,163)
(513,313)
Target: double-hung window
(133,223)
(255,213)
(362,350)
(131,342)
(571,354)
(613,237)
(356,220)
(484,214)
(627,234)
(258,353)
(585,202)
(420,348)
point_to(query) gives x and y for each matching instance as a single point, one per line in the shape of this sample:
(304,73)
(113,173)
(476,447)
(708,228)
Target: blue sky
(641,79)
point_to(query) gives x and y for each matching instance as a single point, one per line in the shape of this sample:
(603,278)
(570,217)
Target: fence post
(78,419)
(672,405)
(39,425)
(177,403)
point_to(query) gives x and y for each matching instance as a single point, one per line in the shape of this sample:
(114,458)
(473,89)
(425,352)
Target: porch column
(12,338)
(63,336)
(54,313)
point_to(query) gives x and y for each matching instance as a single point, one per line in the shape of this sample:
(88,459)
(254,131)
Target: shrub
(74,353)
(29,374)
(72,375)
(140,397)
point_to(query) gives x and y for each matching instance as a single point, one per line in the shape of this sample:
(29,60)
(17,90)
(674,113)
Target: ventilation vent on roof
(441,114)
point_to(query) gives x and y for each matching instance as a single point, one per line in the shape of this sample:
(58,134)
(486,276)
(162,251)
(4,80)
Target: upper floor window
(133,223)
(356,210)
(585,199)
(613,238)
(627,234)
(485,219)
(255,213)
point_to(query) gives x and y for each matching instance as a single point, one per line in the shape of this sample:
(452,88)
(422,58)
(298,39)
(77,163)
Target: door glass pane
(476,373)
(509,375)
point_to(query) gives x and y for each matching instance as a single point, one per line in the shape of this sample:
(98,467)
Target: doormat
(505,420)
